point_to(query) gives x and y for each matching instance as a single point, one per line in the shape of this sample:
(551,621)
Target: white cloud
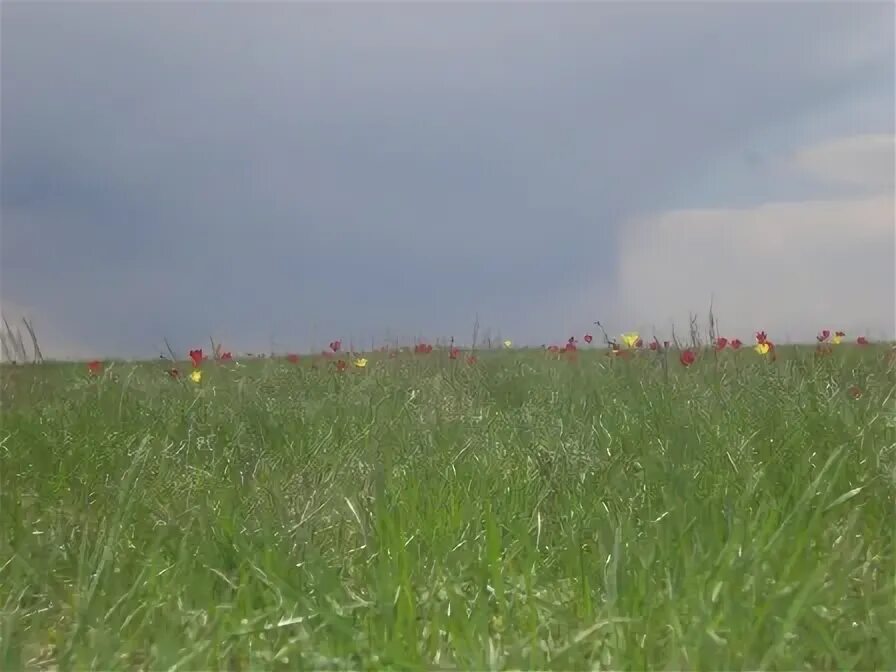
(790,268)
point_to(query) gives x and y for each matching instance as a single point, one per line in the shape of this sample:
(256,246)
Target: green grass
(422,513)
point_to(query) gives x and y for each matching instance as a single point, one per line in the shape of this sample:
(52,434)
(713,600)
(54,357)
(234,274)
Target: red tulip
(422,349)
(687,357)
(196,356)
(654,345)
(721,343)
(823,336)
(735,344)
(588,338)
(226,357)
(861,340)
(292,358)
(761,337)
(335,346)
(453,353)
(95,367)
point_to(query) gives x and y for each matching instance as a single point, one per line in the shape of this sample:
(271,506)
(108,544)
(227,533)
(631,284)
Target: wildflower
(95,367)
(571,345)
(687,357)
(292,358)
(196,356)
(336,346)
(721,343)
(422,348)
(361,362)
(196,375)
(453,353)
(823,335)
(861,340)
(838,337)
(735,344)
(588,338)
(654,345)
(226,357)
(174,373)
(761,337)
(341,365)
(631,339)
(508,343)
(763,347)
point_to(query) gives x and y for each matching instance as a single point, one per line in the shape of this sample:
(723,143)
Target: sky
(277,175)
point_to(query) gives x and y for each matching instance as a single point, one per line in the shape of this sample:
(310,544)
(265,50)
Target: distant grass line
(524,512)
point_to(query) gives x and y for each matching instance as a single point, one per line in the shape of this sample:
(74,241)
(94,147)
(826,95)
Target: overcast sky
(294,172)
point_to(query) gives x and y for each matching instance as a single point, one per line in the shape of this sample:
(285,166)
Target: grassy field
(522,512)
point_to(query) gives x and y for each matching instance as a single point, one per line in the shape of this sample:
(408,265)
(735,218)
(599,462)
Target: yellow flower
(196,376)
(361,362)
(508,343)
(836,339)
(631,339)
(763,348)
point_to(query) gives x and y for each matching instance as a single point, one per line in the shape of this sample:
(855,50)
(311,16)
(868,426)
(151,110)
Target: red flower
(453,353)
(335,346)
(471,359)
(174,373)
(735,344)
(95,367)
(861,340)
(341,365)
(196,356)
(687,357)
(721,343)
(571,344)
(422,349)
(588,338)
(226,357)
(761,337)
(292,358)
(654,345)
(823,336)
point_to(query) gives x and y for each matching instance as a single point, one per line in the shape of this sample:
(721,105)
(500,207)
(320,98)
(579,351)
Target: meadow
(529,509)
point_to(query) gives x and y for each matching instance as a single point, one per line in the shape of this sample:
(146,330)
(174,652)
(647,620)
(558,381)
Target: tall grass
(422,513)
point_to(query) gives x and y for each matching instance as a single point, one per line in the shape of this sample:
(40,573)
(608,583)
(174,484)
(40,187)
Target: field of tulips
(613,503)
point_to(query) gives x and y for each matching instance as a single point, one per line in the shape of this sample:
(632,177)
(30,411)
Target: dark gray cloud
(312,170)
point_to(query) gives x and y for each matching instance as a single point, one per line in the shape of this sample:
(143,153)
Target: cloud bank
(279,175)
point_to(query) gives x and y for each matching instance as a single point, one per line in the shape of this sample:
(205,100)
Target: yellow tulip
(836,339)
(763,348)
(508,343)
(361,362)
(196,376)
(630,339)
